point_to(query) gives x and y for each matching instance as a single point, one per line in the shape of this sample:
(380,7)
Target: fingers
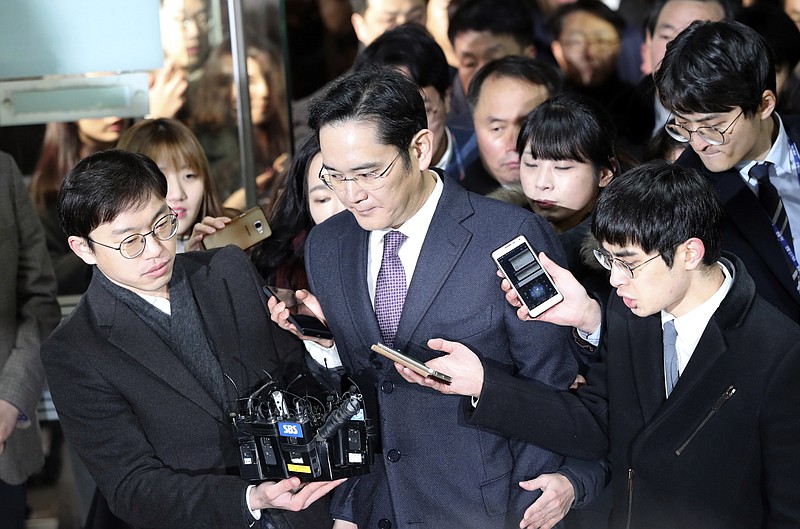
(314,491)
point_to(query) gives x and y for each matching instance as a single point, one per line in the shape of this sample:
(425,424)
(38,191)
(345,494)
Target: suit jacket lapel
(224,334)
(135,338)
(744,210)
(353,249)
(444,243)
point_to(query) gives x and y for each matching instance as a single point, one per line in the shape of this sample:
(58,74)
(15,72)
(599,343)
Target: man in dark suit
(696,387)
(718,80)
(433,469)
(28,312)
(147,368)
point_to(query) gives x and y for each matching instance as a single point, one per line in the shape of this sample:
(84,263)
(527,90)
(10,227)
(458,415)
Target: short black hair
(570,127)
(412,47)
(714,67)
(777,28)
(499,17)
(658,206)
(555,23)
(533,71)
(729,7)
(383,97)
(105,184)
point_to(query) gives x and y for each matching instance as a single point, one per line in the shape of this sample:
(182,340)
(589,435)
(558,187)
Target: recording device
(412,363)
(244,231)
(307,325)
(281,434)
(518,262)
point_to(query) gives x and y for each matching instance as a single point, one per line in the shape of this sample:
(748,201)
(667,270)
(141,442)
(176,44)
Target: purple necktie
(390,287)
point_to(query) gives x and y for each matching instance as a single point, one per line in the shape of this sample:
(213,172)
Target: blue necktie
(390,287)
(670,356)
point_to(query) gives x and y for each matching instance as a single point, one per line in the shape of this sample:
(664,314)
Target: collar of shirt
(158,302)
(780,155)
(448,153)
(415,228)
(690,326)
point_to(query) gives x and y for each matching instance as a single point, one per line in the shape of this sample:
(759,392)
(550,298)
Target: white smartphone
(518,262)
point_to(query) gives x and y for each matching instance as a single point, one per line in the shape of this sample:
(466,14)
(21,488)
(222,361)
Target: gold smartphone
(244,231)
(412,363)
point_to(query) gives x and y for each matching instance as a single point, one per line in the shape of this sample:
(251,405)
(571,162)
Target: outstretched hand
(279,312)
(576,310)
(289,494)
(205,227)
(459,362)
(554,503)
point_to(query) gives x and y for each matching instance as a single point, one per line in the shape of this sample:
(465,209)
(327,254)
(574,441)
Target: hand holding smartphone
(244,231)
(307,325)
(533,285)
(411,363)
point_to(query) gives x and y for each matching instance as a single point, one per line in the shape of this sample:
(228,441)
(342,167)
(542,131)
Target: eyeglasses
(607,261)
(601,43)
(368,181)
(132,246)
(711,135)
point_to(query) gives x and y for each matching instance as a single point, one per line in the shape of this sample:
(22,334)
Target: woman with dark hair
(64,145)
(213,116)
(302,201)
(176,151)
(567,157)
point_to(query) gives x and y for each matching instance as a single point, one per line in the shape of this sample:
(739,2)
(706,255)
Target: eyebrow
(316,187)
(361,167)
(160,213)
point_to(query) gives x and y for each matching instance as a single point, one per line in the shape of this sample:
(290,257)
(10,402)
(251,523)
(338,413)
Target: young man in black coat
(695,392)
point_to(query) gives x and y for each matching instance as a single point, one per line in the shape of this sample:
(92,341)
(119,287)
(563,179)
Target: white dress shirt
(690,326)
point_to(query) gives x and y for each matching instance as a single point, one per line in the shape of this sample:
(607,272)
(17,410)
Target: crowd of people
(648,156)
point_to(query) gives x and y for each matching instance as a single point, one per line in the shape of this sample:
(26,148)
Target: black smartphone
(518,262)
(307,325)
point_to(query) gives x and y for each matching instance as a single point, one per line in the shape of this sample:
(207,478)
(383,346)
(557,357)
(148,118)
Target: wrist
(591,318)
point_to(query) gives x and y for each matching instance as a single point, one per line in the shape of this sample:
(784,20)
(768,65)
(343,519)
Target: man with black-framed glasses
(148,367)
(718,81)
(695,391)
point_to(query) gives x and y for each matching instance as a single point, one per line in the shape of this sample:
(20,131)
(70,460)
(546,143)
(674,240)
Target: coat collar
(131,335)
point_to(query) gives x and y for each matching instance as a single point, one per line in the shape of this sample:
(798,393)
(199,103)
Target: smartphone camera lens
(259,226)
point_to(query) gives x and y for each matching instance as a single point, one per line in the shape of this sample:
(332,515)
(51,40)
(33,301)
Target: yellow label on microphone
(299,468)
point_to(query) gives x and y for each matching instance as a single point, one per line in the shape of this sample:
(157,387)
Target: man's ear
(423,148)
(447,102)
(359,27)
(80,246)
(694,252)
(768,102)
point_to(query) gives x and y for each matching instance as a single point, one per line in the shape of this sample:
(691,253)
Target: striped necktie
(771,202)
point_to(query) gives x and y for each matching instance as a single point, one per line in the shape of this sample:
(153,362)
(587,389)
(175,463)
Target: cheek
(194,193)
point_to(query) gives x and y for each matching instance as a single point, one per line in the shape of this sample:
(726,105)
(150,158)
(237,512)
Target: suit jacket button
(393,456)
(387,386)
(383,523)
